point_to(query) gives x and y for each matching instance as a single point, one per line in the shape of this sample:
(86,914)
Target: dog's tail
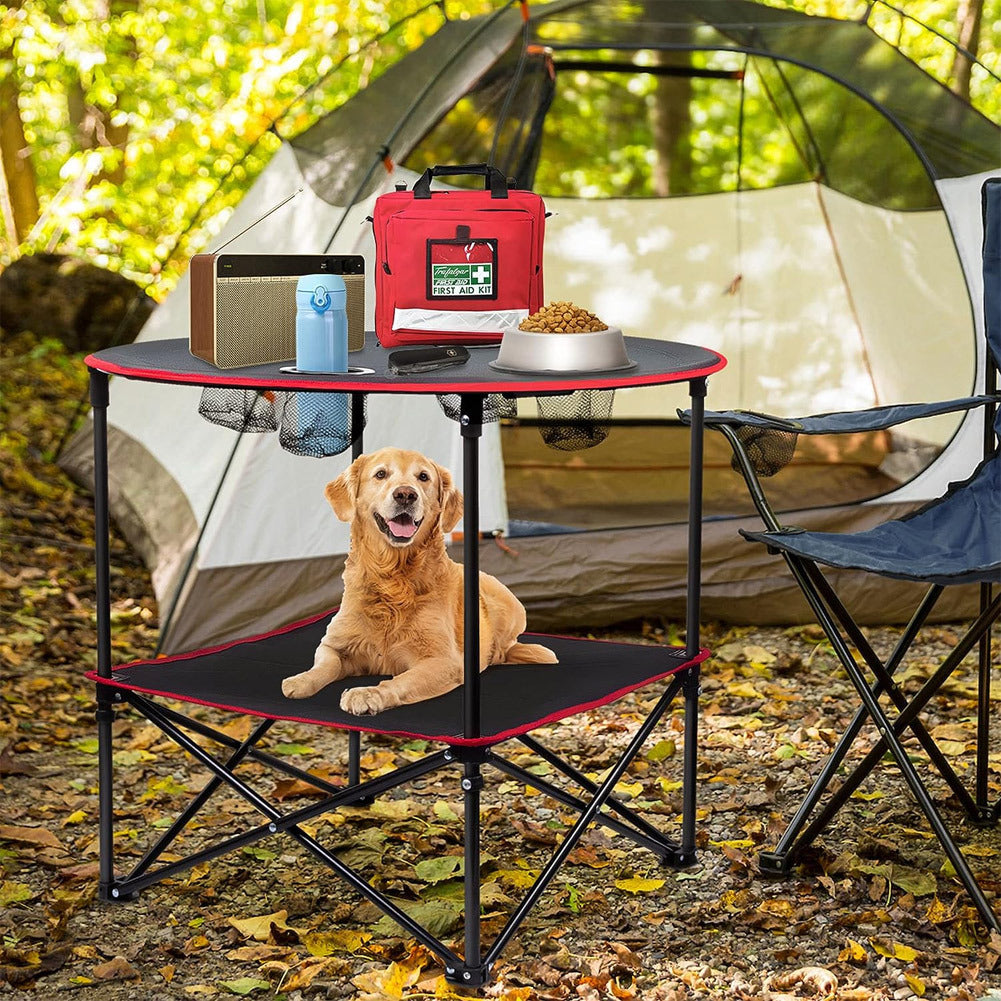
(529,653)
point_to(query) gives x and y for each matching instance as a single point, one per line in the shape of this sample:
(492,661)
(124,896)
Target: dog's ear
(341,493)
(450,500)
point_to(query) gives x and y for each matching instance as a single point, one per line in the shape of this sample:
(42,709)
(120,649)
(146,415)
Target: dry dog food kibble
(562,318)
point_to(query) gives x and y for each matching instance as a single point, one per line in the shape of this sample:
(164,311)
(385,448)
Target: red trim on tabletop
(536,385)
(494,738)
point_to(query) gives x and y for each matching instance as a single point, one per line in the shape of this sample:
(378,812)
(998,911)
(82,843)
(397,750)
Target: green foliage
(202,91)
(147,120)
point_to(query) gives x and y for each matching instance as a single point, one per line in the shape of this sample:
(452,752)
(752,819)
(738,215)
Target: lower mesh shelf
(246,677)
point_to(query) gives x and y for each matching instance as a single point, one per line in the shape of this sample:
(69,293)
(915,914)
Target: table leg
(354,737)
(697,392)
(105,710)
(471,426)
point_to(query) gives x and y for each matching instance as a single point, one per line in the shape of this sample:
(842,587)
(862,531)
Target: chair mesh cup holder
(768,451)
(310,424)
(241,409)
(570,422)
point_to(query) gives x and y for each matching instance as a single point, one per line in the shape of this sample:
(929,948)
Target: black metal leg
(658,844)
(576,832)
(779,861)
(986,812)
(357,447)
(354,756)
(884,678)
(697,392)
(102,554)
(279,822)
(693,601)
(889,732)
(793,842)
(591,787)
(195,805)
(471,972)
(693,687)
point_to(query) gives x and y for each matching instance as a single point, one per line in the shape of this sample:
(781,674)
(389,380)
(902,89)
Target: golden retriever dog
(402,611)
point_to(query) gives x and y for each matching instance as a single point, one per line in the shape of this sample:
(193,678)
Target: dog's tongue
(402,528)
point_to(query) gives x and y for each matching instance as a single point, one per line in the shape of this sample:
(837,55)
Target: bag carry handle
(494,180)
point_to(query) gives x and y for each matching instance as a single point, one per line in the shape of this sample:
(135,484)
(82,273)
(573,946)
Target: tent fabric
(951,138)
(853,281)
(515,698)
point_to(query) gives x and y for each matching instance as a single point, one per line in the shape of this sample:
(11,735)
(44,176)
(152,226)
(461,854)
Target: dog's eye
(380,474)
(423,477)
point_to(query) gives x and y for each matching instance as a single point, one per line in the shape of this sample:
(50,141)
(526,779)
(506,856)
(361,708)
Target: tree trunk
(671,124)
(20,191)
(968,20)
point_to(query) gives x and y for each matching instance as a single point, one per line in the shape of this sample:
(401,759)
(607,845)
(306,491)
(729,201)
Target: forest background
(130,128)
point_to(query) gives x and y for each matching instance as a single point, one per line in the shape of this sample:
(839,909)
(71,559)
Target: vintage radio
(243,305)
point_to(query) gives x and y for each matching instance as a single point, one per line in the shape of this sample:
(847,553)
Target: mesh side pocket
(241,409)
(768,451)
(319,424)
(577,420)
(496,406)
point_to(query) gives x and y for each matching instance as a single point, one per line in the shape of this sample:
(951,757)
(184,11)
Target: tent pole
(382,155)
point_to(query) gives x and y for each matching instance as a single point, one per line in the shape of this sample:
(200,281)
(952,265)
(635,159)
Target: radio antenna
(284,201)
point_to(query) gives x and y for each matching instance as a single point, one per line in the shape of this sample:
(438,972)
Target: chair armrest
(762,444)
(843,422)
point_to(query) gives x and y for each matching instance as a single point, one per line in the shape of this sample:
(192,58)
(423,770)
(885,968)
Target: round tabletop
(656,363)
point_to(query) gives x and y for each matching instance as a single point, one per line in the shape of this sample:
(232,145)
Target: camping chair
(955,539)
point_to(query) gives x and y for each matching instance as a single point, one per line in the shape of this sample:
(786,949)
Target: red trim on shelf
(537,385)
(494,738)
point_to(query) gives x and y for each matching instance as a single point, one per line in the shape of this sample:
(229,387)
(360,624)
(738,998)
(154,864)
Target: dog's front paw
(359,701)
(301,686)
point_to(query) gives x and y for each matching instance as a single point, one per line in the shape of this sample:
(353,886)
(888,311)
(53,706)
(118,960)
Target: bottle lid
(321,293)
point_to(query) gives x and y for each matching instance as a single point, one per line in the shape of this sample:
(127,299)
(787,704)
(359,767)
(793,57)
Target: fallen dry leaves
(871,916)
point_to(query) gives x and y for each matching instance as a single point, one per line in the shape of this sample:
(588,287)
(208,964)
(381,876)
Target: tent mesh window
(320,424)
(241,409)
(574,421)
(769,451)
(496,406)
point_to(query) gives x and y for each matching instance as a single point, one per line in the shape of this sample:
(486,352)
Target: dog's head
(401,497)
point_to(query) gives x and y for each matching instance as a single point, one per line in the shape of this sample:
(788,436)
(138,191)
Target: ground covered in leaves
(873,915)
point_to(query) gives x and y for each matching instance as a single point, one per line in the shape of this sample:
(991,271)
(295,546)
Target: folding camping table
(505,702)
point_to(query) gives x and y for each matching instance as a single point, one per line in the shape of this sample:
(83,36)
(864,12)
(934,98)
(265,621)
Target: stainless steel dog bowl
(528,351)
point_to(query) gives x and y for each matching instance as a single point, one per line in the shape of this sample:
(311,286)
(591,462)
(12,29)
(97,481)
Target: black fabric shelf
(246,677)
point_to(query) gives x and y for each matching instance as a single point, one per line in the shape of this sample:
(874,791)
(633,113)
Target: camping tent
(789,190)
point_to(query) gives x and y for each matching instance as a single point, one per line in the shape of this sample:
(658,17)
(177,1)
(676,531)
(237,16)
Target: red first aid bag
(456,266)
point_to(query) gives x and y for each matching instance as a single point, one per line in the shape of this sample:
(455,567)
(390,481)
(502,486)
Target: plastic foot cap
(680,858)
(116,894)
(773,864)
(467,976)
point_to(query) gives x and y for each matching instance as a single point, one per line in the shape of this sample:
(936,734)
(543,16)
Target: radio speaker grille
(255,319)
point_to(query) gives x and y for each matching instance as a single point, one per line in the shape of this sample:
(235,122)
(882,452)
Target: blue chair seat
(954,540)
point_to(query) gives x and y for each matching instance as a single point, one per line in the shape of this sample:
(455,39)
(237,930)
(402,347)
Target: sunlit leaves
(200,86)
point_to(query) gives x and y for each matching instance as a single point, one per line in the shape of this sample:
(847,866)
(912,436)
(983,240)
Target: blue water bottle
(321,324)
(319,424)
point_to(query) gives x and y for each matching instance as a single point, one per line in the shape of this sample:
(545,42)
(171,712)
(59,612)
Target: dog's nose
(404,495)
